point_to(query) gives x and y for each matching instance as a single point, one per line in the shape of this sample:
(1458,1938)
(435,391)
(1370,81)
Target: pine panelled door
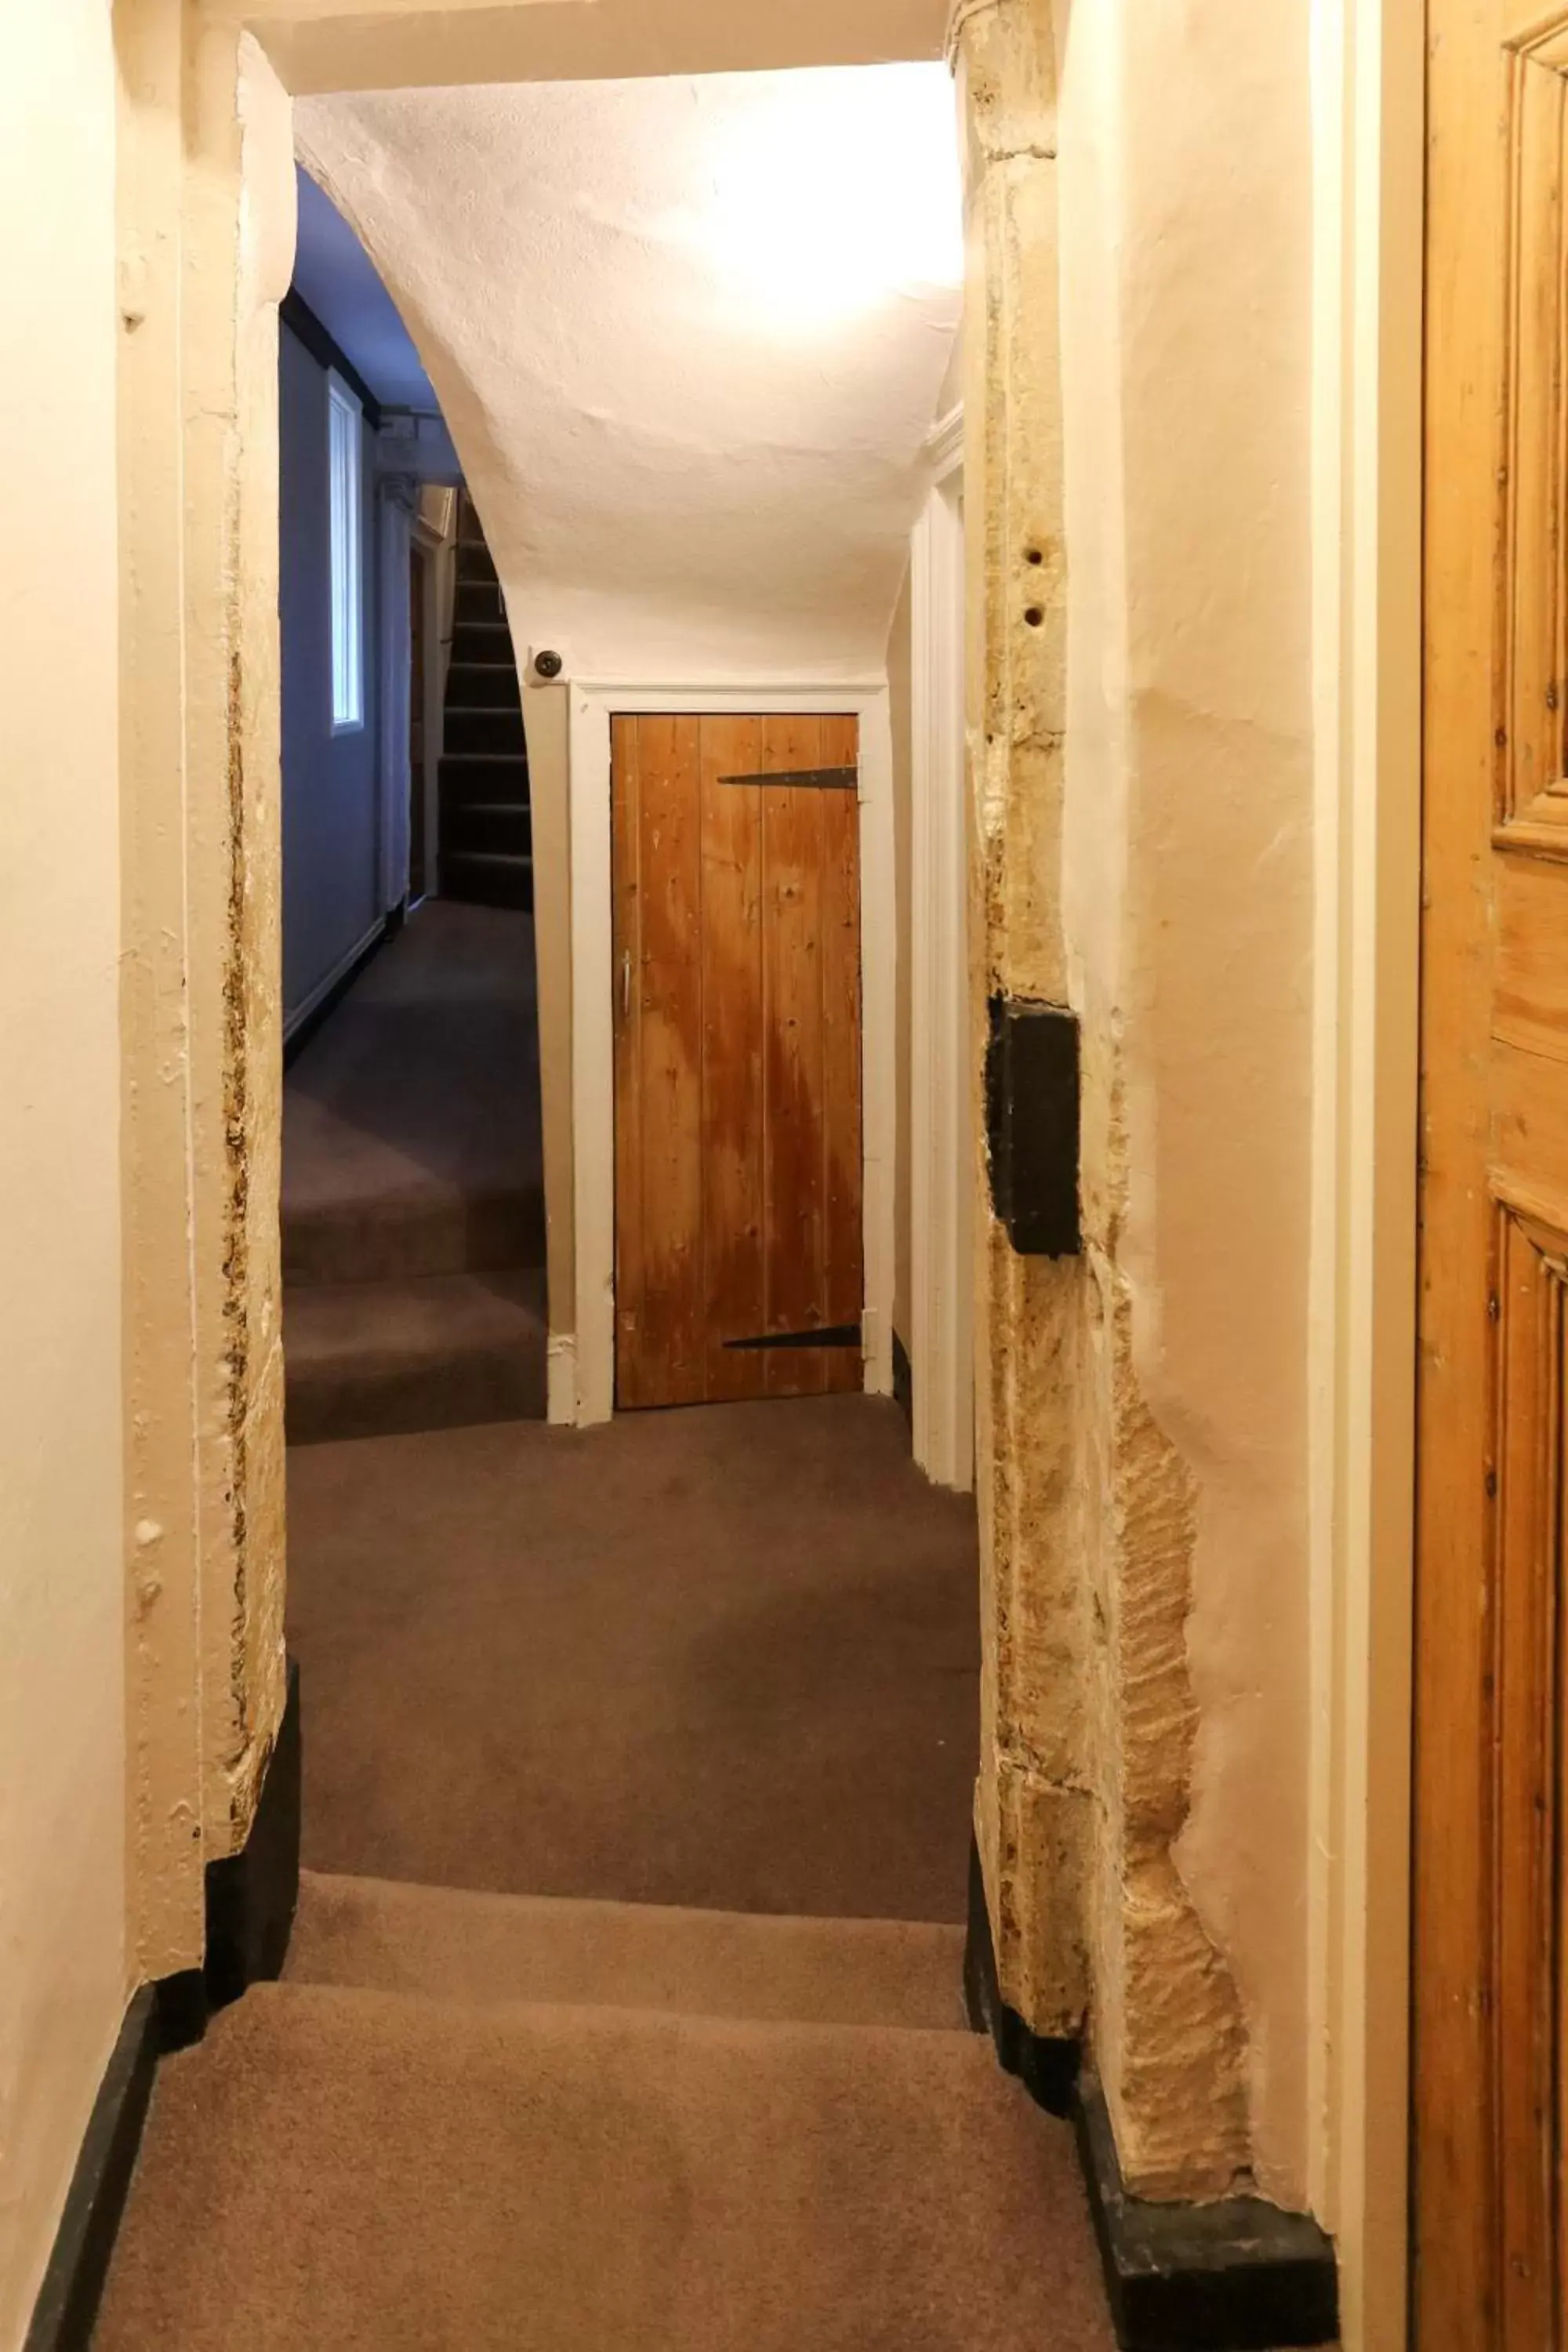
(1490,2017)
(736,862)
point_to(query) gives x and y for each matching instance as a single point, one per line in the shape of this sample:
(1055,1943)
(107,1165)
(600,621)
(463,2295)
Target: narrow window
(343,460)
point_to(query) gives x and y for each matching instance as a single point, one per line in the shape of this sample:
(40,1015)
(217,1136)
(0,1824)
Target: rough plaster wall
(237,226)
(693,436)
(63,1975)
(1217,981)
(1145,1516)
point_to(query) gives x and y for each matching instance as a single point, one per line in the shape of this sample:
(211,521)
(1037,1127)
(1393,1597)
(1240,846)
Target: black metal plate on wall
(1032,1124)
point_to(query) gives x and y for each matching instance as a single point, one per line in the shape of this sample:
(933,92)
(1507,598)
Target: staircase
(515,2125)
(486,831)
(413,1196)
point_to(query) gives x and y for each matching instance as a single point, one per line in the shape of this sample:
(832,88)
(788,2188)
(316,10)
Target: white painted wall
(62,1823)
(688,336)
(1188,880)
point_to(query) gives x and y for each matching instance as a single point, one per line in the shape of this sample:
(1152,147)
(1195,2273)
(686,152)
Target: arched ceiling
(688,336)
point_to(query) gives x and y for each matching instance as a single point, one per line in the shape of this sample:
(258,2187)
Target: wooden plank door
(737,947)
(1488,2011)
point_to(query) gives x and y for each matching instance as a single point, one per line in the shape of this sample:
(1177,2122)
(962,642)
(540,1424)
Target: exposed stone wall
(1089,1513)
(1035,1810)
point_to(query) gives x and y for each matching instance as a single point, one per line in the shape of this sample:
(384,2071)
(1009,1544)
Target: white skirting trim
(561,1378)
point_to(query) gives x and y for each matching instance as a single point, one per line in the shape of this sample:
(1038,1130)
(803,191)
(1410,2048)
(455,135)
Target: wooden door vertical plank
(1559,1972)
(792,1204)
(844,1251)
(671,1058)
(732,1141)
(627,936)
(1523,1859)
(1453,2153)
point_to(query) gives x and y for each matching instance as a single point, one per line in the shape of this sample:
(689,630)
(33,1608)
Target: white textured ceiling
(688,336)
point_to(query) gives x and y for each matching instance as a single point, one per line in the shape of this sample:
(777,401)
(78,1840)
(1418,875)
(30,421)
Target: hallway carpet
(725,1657)
(413,1198)
(723,1660)
(361,2170)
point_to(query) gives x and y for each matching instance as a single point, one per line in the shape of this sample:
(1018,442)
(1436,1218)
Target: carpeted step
(410,1231)
(475,564)
(452,1944)
(371,1359)
(483,776)
(477,601)
(379,2174)
(506,826)
(475,731)
(482,685)
(488,878)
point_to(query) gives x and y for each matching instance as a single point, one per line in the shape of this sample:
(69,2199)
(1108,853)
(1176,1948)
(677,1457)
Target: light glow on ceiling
(838,193)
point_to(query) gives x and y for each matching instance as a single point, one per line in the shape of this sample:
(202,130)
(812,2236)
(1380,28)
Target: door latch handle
(625,984)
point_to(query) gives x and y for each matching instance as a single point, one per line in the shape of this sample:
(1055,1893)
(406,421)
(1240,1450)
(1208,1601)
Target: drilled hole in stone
(1034,616)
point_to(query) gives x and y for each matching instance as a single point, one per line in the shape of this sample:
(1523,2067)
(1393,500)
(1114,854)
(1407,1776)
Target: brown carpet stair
(415,2142)
(448,1943)
(486,827)
(442,1352)
(413,1205)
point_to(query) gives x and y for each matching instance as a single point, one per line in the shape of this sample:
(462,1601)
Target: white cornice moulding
(943,446)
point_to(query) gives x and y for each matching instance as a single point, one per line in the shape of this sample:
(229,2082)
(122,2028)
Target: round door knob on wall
(547,664)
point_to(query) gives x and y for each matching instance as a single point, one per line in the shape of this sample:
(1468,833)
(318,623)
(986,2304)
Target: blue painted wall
(331,884)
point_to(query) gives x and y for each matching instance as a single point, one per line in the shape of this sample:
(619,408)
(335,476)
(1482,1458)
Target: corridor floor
(725,1656)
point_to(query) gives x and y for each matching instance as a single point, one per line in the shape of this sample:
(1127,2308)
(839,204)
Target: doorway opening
(709,807)
(412,1204)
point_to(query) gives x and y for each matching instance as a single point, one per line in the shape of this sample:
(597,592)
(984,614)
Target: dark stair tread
(484,792)
(369,1359)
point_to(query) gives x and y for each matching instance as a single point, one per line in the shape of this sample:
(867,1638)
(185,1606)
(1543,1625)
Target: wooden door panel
(841,1085)
(667,979)
(734,1263)
(792,1204)
(1524,1796)
(738,1125)
(1488,1907)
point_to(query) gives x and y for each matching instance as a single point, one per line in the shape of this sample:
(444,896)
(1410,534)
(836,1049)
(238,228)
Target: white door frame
(396,498)
(594,702)
(1368,80)
(435,545)
(941,1283)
